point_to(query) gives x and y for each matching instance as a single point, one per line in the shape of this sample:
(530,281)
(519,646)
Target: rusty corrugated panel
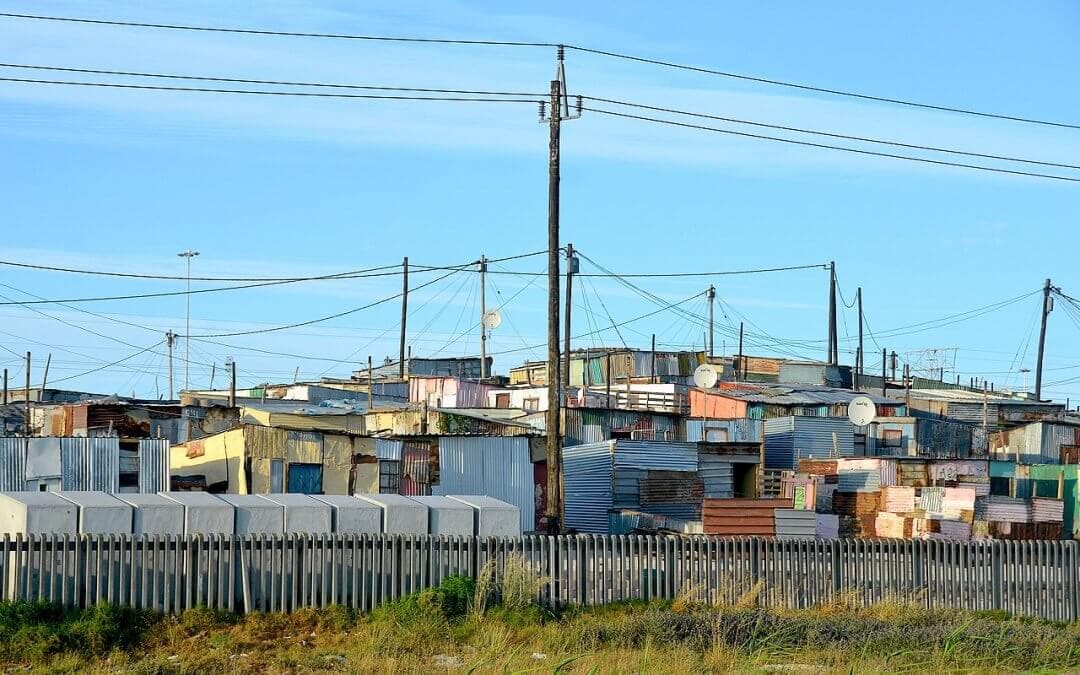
(264,442)
(416,471)
(742,517)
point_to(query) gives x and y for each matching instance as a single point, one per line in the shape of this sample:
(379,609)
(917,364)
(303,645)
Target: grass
(493,626)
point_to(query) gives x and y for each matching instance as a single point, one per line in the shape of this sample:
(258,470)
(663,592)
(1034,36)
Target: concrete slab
(401,515)
(351,515)
(447,516)
(204,513)
(255,515)
(303,513)
(100,512)
(37,513)
(154,515)
(493,517)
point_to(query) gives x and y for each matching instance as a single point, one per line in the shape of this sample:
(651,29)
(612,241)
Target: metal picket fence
(283,573)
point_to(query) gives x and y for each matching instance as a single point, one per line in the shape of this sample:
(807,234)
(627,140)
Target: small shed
(100,513)
(303,513)
(349,515)
(447,516)
(204,513)
(154,515)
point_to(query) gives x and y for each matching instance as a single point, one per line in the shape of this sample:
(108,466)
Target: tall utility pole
(571,269)
(833,351)
(740,372)
(1048,306)
(169,337)
(710,295)
(560,110)
(26,396)
(483,318)
(370,383)
(45,377)
(5,387)
(189,254)
(892,368)
(884,357)
(404,316)
(860,352)
(232,383)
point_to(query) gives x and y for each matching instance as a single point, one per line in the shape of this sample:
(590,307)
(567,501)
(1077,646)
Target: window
(531,404)
(389,470)
(892,438)
(277,476)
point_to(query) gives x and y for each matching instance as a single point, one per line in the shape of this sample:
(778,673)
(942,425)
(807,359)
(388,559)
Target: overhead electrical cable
(828,134)
(826,146)
(268,92)
(832,91)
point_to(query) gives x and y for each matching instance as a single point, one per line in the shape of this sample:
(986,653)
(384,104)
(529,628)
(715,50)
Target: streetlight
(189,254)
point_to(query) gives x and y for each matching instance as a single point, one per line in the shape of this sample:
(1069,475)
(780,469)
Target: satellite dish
(861,411)
(492,319)
(705,376)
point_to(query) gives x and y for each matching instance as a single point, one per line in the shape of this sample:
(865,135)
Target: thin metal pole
(187,325)
(740,372)
(884,358)
(169,335)
(26,394)
(5,386)
(1046,308)
(404,315)
(232,384)
(567,326)
(483,318)
(45,377)
(370,383)
(554,449)
(832,314)
(710,295)
(652,367)
(859,355)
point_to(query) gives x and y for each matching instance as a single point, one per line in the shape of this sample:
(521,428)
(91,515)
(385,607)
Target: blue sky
(261,186)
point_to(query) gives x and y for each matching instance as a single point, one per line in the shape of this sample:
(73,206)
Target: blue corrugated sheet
(587,484)
(716,473)
(859,481)
(388,449)
(787,439)
(666,456)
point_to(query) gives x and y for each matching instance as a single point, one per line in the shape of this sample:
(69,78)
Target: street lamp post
(189,254)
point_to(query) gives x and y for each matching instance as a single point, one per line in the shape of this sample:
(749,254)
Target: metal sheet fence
(282,573)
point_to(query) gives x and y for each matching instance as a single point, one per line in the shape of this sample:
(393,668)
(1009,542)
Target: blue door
(305,478)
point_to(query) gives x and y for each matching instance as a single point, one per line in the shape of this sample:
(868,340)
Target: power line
(824,90)
(282,83)
(321,319)
(336,275)
(825,146)
(577,48)
(267,92)
(827,134)
(281,33)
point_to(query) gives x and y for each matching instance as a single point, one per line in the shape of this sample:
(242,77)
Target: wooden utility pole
(1048,306)
(740,372)
(884,358)
(560,110)
(26,396)
(232,384)
(567,326)
(833,355)
(483,318)
(710,295)
(859,353)
(5,387)
(404,315)
(170,337)
(652,367)
(45,377)
(370,383)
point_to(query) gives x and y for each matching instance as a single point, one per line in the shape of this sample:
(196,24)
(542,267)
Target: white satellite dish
(705,376)
(861,411)
(492,319)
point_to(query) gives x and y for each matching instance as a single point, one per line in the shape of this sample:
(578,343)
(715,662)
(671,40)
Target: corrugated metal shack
(497,467)
(594,425)
(921,437)
(448,392)
(814,372)
(765,402)
(1041,480)
(67,463)
(789,439)
(649,476)
(723,431)
(999,411)
(1038,443)
(598,367)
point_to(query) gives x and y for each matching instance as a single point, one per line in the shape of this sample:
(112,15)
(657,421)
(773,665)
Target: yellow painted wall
(220,458)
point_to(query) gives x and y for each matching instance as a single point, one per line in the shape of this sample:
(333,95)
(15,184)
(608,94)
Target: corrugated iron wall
(587,483)
(12,464)
(787,439)
(498,466)
(386,448)
(90,463)
(153,465)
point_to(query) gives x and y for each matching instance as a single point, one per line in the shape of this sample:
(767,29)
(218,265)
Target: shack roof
(797,395)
